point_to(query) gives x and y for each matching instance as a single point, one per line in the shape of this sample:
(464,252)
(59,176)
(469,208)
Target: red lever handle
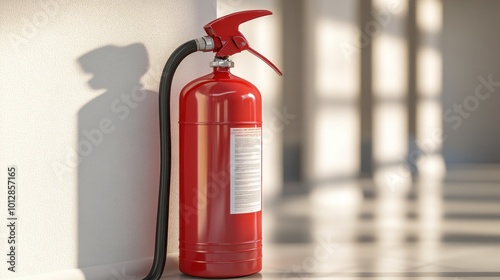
(228,40)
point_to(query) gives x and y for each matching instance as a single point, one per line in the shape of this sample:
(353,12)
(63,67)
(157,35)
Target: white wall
(70,69)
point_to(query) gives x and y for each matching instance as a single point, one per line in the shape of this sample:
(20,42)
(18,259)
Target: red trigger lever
(228,39)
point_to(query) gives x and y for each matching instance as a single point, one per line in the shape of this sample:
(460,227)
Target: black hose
(166,159)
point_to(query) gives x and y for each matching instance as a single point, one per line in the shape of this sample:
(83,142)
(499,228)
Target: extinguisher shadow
(118,152)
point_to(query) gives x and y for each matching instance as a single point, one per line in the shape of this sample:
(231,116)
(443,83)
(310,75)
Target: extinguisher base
(220,260)
(220,270)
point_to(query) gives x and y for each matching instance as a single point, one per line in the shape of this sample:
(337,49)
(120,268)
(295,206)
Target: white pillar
(429,89)
(331,92)
(390,91)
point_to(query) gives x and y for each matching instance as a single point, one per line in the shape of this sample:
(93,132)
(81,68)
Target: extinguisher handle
(267,61)
(228,40)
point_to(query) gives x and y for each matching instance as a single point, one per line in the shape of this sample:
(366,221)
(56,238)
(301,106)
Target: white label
(246,169)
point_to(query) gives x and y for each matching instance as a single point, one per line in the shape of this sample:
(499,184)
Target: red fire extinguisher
(220,121)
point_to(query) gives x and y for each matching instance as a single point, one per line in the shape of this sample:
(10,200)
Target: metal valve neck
(221,62)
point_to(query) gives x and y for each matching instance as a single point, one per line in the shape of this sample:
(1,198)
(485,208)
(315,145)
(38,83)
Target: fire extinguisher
(220,122)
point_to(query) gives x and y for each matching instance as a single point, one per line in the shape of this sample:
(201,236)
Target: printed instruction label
(246,170)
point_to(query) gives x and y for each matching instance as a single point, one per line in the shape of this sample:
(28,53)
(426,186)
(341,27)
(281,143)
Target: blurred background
(384,89)
(381,136)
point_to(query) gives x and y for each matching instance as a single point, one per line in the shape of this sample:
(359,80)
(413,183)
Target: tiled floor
(355,230)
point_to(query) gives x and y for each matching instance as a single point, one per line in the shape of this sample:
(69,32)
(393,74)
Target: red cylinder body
(220,121)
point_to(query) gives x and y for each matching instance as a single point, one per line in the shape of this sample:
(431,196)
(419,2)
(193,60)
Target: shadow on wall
(118,144)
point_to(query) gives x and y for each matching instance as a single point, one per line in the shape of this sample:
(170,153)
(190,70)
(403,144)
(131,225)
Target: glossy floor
(355,230)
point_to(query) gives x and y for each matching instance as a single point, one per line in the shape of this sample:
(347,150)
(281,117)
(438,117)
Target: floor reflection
(352,230)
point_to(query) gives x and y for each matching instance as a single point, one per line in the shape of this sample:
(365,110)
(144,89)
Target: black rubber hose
(166,157)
